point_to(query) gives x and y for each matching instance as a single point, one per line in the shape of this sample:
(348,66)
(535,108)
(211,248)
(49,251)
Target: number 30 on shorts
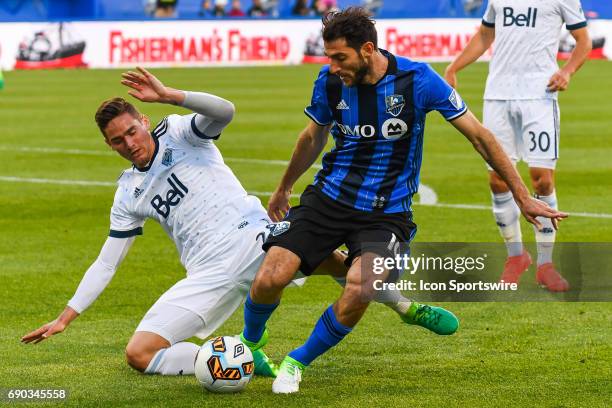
(539,142)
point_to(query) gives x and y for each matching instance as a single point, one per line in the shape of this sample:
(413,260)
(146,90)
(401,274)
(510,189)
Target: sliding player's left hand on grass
(54,327)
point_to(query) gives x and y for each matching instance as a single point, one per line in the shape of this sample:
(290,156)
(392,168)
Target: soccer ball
(224,364)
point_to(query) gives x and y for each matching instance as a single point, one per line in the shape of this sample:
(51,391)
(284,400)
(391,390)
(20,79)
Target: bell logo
(394,128)
(520,20)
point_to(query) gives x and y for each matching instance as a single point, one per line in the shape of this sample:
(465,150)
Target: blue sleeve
(434,93)
(318,110)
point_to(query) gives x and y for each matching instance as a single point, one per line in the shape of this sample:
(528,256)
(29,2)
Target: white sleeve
(123,223)
(213,113)
(572,13)
(488,19)
(100,272)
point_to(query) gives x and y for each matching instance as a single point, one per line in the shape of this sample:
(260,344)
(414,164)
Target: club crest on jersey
(379,202)
(167,158)
(395,103)
(280,228)
(455,100)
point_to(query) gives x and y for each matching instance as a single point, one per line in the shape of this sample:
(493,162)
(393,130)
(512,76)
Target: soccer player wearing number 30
(520,108)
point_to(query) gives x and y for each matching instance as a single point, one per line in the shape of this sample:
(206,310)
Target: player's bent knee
(543,185)
(138,358)
(278,269)
(269,283)
(141,349)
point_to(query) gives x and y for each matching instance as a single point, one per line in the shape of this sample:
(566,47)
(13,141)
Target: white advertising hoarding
(224,42)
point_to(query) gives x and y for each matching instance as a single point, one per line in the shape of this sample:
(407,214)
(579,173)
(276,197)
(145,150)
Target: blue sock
(255,317)
(327,333)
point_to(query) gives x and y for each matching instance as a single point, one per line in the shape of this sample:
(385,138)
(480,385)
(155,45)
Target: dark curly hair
(354,24)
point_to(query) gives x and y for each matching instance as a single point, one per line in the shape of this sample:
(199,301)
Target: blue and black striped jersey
(378,130)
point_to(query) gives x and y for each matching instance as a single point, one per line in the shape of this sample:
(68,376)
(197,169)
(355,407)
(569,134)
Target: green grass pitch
(505,354)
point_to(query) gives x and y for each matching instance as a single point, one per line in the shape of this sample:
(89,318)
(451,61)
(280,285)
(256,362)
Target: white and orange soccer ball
(224,364)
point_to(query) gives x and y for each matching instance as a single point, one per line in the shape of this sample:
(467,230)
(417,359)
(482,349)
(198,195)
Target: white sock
(393,299)
(178,359)
(545,237)
(507,216)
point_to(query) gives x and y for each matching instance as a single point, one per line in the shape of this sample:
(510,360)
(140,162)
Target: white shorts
(206,298)
(528,130)
(199,304)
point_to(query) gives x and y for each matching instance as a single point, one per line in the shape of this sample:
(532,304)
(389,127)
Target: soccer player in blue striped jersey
(374,105)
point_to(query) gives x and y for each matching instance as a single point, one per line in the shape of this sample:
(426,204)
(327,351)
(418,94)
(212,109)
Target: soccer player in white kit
(179,179)
(521,109)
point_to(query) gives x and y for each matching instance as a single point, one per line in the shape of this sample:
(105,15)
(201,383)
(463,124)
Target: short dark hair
(112,108)
(354,24)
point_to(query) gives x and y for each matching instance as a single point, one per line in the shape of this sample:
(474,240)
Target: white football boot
(289,376)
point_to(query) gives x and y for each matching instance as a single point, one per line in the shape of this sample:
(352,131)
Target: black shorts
(319,225)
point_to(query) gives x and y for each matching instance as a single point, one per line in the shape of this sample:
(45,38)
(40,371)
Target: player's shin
(178,359)
(327,333)
(255,317)
(545,237)
(507,216)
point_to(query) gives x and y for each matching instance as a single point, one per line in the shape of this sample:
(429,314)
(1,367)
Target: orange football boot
(548,277)
(515,266)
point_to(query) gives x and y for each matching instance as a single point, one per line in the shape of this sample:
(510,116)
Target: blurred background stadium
(45,10)
(57,182)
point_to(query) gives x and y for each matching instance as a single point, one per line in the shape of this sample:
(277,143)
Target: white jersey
(190,191)
(527,35)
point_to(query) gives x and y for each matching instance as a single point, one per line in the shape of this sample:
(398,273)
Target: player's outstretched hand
(533,208)
(558,82)
(44,332)
(278,206)
(145,86)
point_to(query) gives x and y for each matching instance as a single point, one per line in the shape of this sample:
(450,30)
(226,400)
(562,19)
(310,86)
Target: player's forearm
(477,46)
(100,273)
(211,106)
(92,285)
(213,113)
(581,52)
(490,149)
(306,151)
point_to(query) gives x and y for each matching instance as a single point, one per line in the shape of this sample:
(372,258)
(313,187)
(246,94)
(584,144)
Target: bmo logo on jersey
(357,130)
(520,20)
(392,129)
(174,195)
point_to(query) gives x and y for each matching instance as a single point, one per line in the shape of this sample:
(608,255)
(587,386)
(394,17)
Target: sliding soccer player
(179,179)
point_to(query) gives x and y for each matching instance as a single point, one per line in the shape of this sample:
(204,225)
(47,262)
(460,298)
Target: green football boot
(436,319)
(263,365)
